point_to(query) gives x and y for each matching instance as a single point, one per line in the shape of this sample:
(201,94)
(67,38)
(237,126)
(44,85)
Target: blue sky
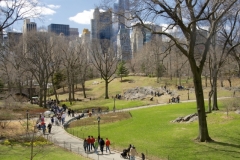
(76,13)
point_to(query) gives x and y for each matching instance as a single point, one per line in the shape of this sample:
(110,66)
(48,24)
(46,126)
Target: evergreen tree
(122,71)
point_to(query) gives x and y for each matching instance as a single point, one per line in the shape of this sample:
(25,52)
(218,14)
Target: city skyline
(76,14)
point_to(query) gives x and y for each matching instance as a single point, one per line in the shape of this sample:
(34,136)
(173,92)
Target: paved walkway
(74,144)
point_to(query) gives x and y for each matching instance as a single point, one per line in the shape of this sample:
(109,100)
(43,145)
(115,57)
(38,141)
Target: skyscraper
(101,25)
(73,32)
(121,26)
(123,44)
(59,28)
(29,26)
(141,36)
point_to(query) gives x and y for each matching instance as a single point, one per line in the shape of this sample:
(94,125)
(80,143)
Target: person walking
(85,145)
(101,143)
(96,147)
(44,128)
(133,153)
(52,120)
(107,143)
(49,127)
(88,143)
(143,156)
(92,142)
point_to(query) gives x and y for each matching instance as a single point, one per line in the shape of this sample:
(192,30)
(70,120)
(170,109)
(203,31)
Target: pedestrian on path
(52,120)
(133,153)
(85,145)
(92,142)
(101,143)
(88,143)
(44,127)
(49,127)
(143,156)
(107,142)
(96,147)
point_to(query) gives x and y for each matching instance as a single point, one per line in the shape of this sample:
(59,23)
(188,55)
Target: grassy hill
(150,129)
(96,90)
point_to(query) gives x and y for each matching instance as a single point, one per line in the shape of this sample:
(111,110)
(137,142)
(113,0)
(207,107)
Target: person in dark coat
(85,145)
(49,127)
(101,143)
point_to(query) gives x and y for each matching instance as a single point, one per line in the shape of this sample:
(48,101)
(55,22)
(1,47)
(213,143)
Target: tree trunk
(210,101)
(84,90)
(214,88)
(106,89)
(40,96)
(203,129)
(73,92)
(70,94)
(230,82)
(54,90)
(205,80)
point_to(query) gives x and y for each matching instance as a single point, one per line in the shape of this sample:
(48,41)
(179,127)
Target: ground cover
(151,131)
(50,152)
(95,91)
(108,103)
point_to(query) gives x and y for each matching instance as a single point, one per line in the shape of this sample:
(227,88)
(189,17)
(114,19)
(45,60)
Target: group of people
(41,125)
(71,113)
(131,152)
(175,99)
(91,143)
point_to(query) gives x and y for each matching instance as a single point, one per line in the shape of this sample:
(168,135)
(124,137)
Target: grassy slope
(49,153)
(97,92)
(151,131)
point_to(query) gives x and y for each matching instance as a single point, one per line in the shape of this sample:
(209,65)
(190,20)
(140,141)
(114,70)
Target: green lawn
(50,152)
(151,131)
(119,104)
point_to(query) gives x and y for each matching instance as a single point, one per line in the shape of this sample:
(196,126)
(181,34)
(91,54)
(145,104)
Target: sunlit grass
(49,152)
(151,131)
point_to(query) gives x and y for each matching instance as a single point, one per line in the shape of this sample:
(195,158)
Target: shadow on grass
(127,80)
(227,144)
(230,150)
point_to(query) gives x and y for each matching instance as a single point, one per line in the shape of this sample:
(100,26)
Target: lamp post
(98,119)
(27,119)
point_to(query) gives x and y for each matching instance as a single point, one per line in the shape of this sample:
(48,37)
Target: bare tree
(190,17)
(223,44)
(75,60)
(40,59)
(105,60)
(15,10)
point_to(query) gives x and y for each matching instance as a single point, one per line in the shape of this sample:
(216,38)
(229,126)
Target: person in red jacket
(92,142)
(88,143)
(107,143)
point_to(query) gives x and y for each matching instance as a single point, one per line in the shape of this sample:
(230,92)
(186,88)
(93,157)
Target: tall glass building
(59,28)
(101,25)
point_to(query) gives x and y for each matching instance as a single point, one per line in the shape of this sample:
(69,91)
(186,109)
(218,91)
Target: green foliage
(122,70)
(6,142)
(58,78)
(143,68)
(160,70)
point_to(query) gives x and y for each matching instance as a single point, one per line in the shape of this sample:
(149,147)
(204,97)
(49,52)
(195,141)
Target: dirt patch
(14,128)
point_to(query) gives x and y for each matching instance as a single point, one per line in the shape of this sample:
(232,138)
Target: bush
(232,105)
(7,142)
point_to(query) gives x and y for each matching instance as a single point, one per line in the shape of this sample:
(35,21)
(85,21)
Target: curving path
(74,144)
